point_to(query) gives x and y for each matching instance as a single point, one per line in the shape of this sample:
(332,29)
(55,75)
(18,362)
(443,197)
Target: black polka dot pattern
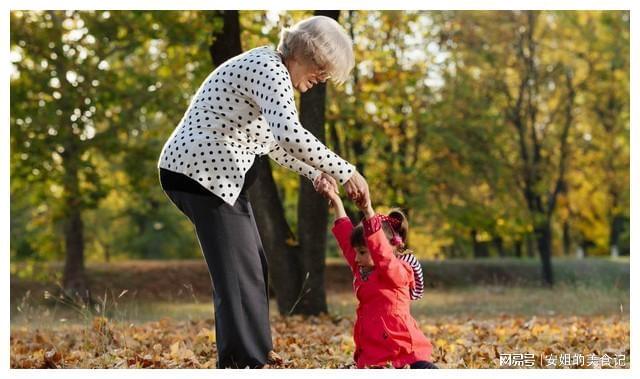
(245,108)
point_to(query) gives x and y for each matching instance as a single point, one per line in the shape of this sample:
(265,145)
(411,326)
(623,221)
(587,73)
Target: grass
(478,302)
(140,291)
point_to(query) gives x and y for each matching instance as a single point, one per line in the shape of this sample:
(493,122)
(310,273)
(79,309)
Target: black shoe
(423,364)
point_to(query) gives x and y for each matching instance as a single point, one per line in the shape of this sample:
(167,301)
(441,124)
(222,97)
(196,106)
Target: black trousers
(232,248)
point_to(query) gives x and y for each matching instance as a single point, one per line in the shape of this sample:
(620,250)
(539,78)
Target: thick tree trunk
(226,43)
(74,278)
(281,248)
(312,231)
(74,281)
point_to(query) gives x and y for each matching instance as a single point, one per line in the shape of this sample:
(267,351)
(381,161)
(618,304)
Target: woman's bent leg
(237,267)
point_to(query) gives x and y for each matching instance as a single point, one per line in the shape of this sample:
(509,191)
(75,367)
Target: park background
(503,134)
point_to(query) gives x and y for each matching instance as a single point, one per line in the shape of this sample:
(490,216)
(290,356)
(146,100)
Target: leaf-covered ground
(315,342)
(145,322)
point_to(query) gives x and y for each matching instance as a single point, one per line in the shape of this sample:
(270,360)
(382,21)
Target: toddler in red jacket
(385,281)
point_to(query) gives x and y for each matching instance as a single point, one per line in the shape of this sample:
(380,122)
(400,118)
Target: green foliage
(426,117)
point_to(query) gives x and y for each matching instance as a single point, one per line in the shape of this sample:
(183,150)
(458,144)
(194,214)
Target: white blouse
(244,108)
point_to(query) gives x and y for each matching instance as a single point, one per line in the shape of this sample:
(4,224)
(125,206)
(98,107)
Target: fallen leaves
(311,342)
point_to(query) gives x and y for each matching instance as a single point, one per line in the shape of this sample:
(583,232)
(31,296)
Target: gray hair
(323,41)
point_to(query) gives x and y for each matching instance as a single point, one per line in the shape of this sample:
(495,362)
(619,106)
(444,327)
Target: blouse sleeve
(288,161)
(273,93)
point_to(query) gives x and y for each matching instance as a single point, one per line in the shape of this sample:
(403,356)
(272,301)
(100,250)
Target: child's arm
(342,228)
(397,272)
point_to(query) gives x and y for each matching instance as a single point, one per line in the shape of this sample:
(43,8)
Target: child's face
(363,258)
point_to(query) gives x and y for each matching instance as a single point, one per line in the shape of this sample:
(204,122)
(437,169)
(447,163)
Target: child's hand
(326,189)
(325,179)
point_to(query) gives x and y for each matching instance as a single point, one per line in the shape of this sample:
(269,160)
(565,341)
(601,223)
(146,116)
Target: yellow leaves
(207,335)
(313,342)
(440,342)
(180,353)
(479,343)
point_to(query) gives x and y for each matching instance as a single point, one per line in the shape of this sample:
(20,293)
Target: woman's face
(305,75)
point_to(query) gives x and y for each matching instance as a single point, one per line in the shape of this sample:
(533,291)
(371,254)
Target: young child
(384,283)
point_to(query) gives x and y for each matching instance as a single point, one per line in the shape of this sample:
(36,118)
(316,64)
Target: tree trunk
(74,281)
(312,231)
(280,245)
(566,238)
(498,244)
(479,248)
(226,43)
(531,249)
(518,248)
(543,236)
(614,235)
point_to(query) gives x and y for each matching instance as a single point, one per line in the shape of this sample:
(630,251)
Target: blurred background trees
(501,133)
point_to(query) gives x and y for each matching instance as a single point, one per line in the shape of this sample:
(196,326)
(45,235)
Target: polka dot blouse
(244,108)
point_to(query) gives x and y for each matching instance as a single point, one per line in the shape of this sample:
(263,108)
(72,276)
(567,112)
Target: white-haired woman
(243,109)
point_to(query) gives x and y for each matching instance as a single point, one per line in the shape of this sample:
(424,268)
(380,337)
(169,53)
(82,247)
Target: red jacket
(384,330)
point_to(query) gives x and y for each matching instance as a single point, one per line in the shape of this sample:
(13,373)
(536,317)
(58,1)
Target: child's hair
(401,230)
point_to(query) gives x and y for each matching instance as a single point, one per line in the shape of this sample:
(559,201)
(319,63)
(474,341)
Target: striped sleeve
(418,290)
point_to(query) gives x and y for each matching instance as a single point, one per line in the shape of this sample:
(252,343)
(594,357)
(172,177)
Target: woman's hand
(327,189)
(327,178)
(358,190)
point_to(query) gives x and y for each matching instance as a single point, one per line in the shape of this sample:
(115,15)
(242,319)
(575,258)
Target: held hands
(327,182)
(364,204)
(327,187)
(329,190)
(358,191)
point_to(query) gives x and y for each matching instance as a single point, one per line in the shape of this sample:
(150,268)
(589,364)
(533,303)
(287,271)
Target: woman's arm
(288,161)
(273,93)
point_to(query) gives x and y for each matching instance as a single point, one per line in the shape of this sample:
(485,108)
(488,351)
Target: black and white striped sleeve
(418,289)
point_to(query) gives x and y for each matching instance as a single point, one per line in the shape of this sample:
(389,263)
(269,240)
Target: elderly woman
(243,109)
